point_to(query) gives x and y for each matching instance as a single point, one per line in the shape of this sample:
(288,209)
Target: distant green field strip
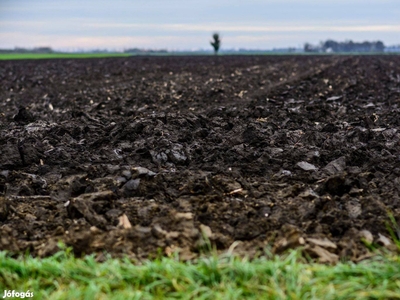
(13,56)
(17,56)
(65,277)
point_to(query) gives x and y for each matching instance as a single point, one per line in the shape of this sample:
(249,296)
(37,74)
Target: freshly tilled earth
(145,156)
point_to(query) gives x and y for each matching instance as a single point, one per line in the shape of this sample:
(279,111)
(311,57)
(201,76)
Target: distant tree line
(331,46)
(144,51)
(25,50)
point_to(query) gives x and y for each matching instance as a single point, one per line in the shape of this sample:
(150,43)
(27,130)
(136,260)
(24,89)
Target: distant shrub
(216,42)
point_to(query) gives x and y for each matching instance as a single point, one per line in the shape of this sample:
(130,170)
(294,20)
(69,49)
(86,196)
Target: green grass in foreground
(13,56)
(65,277)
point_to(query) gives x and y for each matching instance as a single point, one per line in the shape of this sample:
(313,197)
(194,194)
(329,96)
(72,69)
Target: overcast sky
(188,24)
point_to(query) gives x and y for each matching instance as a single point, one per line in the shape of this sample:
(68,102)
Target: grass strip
(29,56)
(18,56)
(226,277)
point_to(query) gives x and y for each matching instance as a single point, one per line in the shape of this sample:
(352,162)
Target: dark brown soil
(150,155)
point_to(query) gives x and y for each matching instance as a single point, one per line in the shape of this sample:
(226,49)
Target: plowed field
(150,155)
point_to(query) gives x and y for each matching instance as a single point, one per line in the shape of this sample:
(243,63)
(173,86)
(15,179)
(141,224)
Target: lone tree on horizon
(216,43)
